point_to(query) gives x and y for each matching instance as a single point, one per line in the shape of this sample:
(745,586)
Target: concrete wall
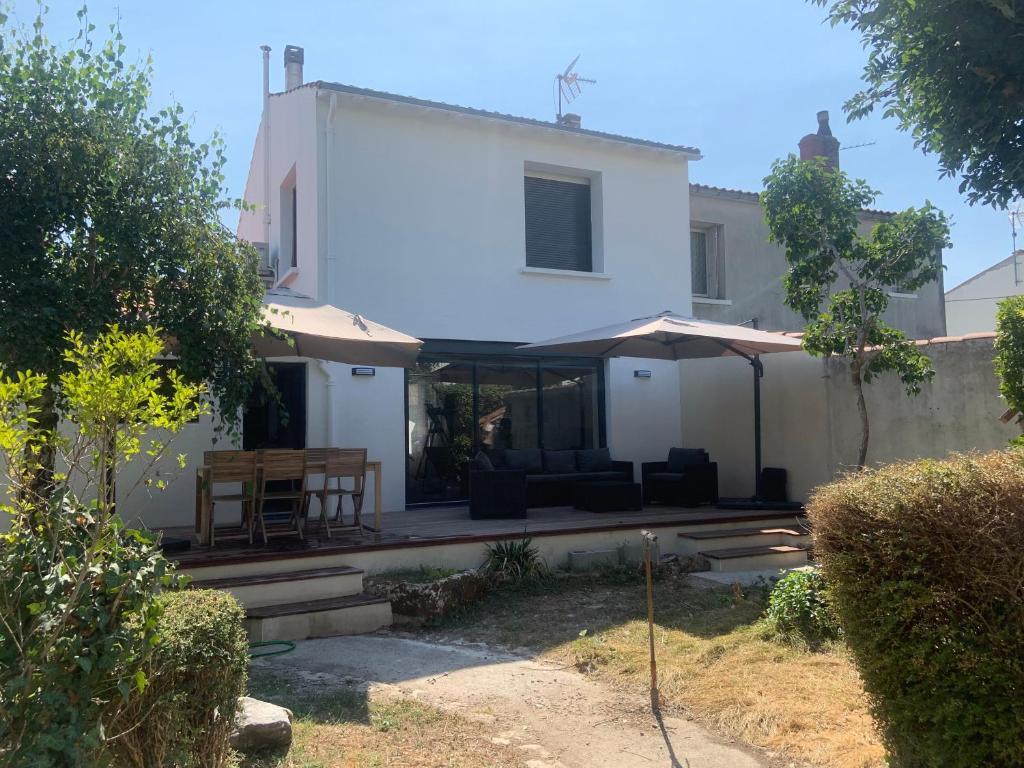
(810,421)
(751,271)
(971,306)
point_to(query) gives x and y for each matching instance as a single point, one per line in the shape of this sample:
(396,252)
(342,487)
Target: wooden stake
(649,540)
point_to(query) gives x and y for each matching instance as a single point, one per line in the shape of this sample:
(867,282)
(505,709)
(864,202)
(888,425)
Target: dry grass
(344,728)
(714,661)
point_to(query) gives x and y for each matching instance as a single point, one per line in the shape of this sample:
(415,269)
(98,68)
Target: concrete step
(256,591)
(756,558)
(349,615)
(692,542)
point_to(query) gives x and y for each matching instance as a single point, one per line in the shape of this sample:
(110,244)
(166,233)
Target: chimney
(821,144)
(293,58)
(569,120)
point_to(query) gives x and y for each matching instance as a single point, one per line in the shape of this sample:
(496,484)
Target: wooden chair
(338,464)
(282,465)
(234,467)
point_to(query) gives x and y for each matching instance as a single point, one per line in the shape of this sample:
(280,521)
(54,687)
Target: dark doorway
(272,423)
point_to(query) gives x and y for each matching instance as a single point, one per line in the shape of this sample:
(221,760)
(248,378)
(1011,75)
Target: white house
(971,306)
(476,232)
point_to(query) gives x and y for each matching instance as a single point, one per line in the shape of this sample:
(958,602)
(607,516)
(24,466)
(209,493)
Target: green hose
(286,647)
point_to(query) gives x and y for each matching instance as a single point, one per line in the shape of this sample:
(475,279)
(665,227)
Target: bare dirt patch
(549,715)
(715,662)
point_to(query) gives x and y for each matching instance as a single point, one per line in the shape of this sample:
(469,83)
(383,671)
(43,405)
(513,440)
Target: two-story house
(476,232)
(736,273)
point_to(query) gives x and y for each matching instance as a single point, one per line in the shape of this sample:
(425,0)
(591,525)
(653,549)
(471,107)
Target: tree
(839,281)
(1009,360)
(78,589)
(952,74)
(111,215)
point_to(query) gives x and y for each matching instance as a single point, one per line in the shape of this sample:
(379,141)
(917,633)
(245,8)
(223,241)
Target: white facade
(971,306)
(412,214)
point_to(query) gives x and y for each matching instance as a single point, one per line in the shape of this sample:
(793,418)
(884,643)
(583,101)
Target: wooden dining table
(203,514)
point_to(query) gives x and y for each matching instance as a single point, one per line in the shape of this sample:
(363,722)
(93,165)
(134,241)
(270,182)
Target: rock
(261,725)
(414,603)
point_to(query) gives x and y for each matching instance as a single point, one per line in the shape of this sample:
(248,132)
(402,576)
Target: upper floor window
(705,257)
(288,256)
(558,223)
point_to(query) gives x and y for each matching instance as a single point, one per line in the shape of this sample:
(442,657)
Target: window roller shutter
(558,224)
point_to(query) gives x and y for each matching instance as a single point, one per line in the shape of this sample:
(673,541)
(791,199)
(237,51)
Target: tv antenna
(569,85)
(858,146)
(1016,220)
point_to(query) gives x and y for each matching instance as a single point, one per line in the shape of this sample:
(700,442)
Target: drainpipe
(330,369)
(331,372)
(266,151)
(328,168)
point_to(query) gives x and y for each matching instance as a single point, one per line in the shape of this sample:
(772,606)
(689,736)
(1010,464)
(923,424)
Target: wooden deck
(445,525)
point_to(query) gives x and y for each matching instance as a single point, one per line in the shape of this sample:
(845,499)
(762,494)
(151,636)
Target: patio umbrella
(668,336)
(325,332)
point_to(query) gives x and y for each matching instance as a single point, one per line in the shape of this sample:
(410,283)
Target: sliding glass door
(459,404)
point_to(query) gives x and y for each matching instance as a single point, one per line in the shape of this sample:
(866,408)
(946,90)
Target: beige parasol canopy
(325,332)
(669,336)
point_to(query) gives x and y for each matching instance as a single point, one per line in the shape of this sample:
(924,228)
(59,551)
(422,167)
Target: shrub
(77,589)
(196,673)
(798,609)
(925,566)
(515,561)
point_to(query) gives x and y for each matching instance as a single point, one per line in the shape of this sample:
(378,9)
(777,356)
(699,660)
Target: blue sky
(740,79)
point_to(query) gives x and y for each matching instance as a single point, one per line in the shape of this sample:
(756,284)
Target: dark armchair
(687,479)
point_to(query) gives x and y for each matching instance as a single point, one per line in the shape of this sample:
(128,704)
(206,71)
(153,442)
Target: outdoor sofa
(688,478)
(504,484)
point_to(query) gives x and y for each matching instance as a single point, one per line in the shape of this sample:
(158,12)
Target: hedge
(197,672)
(925,566)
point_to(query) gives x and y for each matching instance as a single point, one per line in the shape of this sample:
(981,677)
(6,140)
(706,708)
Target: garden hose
(287,646)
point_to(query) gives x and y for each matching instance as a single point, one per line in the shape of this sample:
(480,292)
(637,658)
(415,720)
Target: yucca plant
(515,561)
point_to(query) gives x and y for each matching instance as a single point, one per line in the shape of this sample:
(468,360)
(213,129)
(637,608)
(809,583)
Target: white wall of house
(424,227)
(810,421)
(971,306)
(750,270)
(415,218)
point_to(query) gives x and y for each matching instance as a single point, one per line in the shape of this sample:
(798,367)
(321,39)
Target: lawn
(715,661)
(350,728)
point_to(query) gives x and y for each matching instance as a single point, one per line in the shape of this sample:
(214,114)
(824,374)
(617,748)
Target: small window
(295,228)
(706,260)
(558,224)
(288,254)
(699,263)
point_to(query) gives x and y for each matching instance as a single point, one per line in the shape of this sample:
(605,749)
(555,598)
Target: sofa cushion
(482,462)
(528,459)
(683,457)
(560,462)
(593,460)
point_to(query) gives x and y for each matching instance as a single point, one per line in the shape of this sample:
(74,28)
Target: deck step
(348,615)
(756,558)
(284,588)
(693,542)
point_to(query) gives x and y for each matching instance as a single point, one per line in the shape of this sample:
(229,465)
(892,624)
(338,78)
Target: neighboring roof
(754,197)
(972,278)
(691,152)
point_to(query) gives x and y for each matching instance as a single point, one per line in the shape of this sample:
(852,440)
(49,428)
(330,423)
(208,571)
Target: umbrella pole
(758,367)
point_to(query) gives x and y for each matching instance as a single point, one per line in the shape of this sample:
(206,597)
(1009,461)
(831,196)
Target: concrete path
(558,717)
